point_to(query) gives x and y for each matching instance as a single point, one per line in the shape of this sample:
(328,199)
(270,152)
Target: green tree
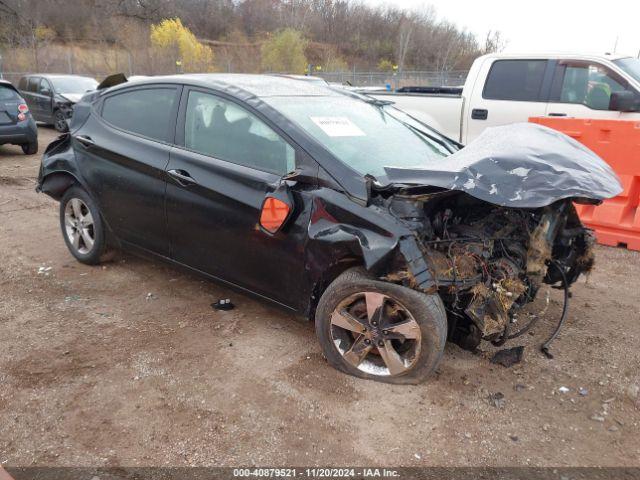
(284,52)
(171,37)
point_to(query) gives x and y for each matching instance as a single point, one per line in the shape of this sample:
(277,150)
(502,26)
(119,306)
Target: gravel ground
(127,365)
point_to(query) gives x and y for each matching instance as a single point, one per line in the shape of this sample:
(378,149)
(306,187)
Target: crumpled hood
(72,97)
(522,165)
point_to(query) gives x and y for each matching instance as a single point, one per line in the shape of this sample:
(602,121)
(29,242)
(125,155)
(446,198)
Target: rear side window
(519,80)
(7,93)
(23,83)
(144,112)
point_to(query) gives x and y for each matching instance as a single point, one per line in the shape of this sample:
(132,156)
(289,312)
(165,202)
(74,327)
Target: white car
(508,88)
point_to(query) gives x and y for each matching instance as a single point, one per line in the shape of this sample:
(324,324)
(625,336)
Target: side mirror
(45,91)
(276,209)
(624,101)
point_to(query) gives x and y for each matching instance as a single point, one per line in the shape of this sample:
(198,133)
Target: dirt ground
(128,365)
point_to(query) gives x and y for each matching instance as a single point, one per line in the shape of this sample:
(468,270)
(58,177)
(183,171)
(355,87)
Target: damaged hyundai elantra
(331,204)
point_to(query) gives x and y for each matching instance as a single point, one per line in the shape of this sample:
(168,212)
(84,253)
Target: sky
(581,26)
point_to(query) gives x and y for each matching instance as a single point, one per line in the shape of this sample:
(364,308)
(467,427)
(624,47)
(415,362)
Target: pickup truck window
(588,84)
(631,66)
(519,80)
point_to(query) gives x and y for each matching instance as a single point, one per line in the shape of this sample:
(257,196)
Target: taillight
(22,112)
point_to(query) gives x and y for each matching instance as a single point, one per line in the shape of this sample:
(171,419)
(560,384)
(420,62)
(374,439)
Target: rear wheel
(82,227)
(380,331)
(30,148)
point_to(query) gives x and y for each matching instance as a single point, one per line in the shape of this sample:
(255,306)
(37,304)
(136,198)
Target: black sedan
(330,204)
(17,126)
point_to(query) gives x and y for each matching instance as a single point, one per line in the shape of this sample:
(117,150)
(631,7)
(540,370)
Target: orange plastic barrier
(617,221)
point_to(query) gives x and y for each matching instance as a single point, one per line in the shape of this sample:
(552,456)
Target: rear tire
(82,227)
(398,336)
(30,148)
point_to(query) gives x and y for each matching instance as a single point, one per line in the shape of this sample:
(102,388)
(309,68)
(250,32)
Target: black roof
(260,86)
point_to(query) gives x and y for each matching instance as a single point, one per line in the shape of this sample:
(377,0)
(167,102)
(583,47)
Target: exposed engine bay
(488,261)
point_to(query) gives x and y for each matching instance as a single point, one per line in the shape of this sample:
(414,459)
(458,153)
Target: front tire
(380,331)
(60,121)
(82,227)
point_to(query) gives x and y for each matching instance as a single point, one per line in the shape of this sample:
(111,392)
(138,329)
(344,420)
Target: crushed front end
(486,261)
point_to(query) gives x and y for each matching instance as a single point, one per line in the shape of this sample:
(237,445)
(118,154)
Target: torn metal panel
(521,165)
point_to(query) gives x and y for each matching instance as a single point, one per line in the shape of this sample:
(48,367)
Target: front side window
(144,112)
(590,85)
(519,80)
(224,130)
(44,88)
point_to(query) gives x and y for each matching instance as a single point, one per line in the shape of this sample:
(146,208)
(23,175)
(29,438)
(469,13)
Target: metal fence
(355,78)
(406,78)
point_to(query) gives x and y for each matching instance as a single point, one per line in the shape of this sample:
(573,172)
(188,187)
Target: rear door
(513,91)
(582,89)
(29,94)
(226,160)
(124,150)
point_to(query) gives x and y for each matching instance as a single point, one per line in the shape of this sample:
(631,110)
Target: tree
(284,52)
(173,38)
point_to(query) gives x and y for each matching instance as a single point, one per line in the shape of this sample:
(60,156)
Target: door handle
(557,114)
(85,140)
(479,114)
(182,177)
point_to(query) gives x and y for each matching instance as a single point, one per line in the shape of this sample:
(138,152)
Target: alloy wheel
(60,122)
(79,226)
(376,334)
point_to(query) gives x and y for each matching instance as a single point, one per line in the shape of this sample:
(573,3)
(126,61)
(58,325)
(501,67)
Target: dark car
(51,97)
(332,205)
(17,126)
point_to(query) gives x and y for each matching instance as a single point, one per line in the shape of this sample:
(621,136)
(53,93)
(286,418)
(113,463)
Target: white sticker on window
(338,126)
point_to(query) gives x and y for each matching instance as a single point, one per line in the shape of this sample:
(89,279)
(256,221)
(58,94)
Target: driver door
(44,99)
(226,160)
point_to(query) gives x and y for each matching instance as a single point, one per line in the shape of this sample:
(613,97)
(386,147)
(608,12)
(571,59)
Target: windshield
(365,136)
(7,93)
(631,66)
(64,85)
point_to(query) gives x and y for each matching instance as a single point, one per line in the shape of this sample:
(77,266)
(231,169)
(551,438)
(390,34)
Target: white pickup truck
(502,89)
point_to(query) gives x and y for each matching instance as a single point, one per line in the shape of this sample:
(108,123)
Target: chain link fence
(357,79)
(423,78)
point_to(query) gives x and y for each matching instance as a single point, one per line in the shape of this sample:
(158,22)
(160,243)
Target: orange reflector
(274,213)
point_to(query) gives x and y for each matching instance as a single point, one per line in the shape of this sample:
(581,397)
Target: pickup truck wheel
(82,227)
(30,148)
(60,121)
(380,331)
